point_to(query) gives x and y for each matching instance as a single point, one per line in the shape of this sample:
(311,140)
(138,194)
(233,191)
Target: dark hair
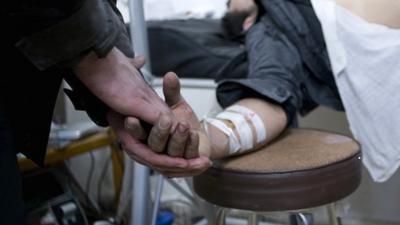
(252,9)
(232,24)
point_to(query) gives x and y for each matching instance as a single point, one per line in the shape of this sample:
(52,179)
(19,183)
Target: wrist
(212,142)
(204,145)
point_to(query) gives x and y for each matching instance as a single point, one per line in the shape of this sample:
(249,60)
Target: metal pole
(138,31)
(182,191)
(157,198)
(141,184)
(141,195)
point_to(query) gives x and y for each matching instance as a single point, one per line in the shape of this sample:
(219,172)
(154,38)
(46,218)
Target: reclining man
(275,86)
(290,72)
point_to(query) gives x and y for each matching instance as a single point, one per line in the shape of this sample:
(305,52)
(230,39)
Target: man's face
(236,19)
(240,5)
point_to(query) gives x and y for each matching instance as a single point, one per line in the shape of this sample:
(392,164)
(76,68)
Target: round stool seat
(302,168)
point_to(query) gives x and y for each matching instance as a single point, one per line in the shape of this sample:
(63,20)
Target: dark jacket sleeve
(275,71)
(63,36)
(60,33)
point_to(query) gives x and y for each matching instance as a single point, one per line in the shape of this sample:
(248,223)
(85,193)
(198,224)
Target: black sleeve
(275,72)
(53,35)
(59,33)
(83,99)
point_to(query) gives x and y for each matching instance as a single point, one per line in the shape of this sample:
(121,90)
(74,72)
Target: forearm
(62,33)
(216,144)
(115,80)
(109,78)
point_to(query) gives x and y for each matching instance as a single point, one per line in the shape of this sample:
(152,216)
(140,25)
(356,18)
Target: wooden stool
(303,168)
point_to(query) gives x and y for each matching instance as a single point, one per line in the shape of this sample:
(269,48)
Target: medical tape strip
(234,144)
(241,126)
(255,119)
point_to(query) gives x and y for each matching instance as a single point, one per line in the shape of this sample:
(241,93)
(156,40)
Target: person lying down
(361,75)
(247,125)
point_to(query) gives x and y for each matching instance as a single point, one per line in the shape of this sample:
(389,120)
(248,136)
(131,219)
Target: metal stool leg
(221,216)
(253,219)
(301,219)
(333,219)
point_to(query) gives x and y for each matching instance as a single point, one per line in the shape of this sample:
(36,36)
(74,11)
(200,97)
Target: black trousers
(11,204)
(27,98)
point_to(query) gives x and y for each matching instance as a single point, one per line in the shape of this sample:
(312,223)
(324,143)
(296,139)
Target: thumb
(172,89)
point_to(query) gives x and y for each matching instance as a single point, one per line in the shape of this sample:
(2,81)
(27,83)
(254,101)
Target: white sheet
(365,58)
(177,9)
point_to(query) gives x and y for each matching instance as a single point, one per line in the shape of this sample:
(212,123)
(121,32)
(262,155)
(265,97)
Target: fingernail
(181,165)
(164,122)
(128,124)
(183,128)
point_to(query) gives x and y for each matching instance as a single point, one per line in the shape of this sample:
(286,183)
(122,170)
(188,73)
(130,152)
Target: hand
(184,140)
(115,80)
(181,143)
(166,165)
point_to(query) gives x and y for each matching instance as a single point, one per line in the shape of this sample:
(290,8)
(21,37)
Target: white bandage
(234,144)
(241,126)
(253,118)
(239,118)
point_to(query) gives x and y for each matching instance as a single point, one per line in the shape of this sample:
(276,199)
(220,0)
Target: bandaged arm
(247,125)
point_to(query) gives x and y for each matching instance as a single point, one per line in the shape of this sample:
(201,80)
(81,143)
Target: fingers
(195,167)
(138,62)
(172,166)
(192,146)
(144,155)
(182,143)
(169,166)
(134,128)
(141,152)
(177,143)
(159,134)
(171,89)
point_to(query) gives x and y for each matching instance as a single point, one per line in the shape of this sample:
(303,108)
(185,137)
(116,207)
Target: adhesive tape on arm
(241,126)
(255,119)
(234,144)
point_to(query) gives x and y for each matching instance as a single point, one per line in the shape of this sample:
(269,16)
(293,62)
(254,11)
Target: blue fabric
(165,218)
